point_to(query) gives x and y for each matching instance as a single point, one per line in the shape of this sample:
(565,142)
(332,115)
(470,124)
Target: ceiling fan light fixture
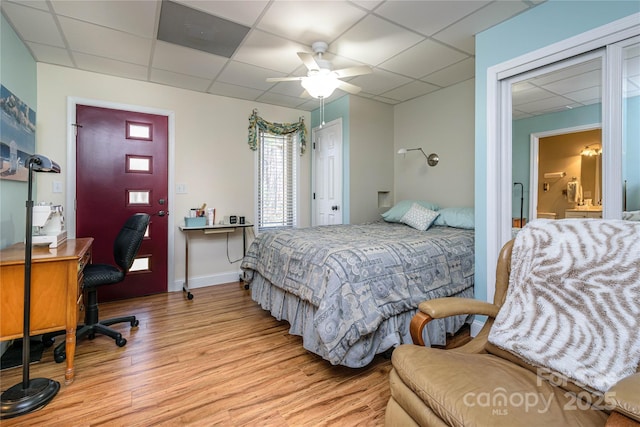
(321,84)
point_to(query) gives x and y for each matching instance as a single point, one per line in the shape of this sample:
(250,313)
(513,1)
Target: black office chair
(125,248)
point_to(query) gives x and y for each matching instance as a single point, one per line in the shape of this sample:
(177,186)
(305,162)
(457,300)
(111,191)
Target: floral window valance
(256,122)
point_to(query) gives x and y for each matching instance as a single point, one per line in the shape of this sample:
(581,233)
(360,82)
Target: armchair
(488,382)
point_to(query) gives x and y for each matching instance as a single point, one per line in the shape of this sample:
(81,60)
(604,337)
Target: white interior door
(327,174)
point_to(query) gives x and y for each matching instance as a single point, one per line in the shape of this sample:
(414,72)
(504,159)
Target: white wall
(211,156)
(442,123)
(370,157)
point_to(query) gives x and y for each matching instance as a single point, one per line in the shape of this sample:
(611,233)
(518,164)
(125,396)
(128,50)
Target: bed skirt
(392,332)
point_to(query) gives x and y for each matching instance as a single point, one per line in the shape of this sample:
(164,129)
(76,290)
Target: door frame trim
(336,121)
(70,175)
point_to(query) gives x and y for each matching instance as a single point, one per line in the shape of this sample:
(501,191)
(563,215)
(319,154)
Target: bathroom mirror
(591,176)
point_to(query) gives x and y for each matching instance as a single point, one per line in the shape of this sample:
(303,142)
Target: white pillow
(419,217)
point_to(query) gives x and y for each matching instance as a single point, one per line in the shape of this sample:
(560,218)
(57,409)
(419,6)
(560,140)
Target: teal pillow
(396,213)
(456,217)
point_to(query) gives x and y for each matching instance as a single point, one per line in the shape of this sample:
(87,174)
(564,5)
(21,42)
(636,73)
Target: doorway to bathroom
(566,173)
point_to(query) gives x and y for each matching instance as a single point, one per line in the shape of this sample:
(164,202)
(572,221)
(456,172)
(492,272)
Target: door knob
(334,207)
(162,213)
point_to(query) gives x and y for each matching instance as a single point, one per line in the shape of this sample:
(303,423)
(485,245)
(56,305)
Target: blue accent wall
(548,23)
(18,73)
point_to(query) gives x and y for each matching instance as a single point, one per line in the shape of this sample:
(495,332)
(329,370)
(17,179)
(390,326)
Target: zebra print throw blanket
(573,303)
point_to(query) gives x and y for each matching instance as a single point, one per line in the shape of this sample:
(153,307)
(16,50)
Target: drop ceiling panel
(169,57)
(440,56)
(105,42)
(33,25)
(115,68)
(233,91)
(311,21)
(410,91)
(379,81)
(246,75)
(269,51)
(374,40)
(456,73)
(51,54)
(184,81)
(428,17)
(134,17)
(462,33)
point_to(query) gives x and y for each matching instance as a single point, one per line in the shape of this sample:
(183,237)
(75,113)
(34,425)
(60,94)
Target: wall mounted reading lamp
(432,159)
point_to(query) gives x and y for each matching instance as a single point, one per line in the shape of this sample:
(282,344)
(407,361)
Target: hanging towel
(572,192)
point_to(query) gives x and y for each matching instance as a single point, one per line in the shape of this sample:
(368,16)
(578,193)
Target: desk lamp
(29,395)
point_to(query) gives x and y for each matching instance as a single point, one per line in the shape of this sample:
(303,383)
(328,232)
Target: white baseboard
(477,325)
(202,281)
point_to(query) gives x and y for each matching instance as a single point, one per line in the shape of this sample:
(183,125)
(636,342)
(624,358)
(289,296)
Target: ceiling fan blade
(348,87)
(284,79)
(353,71)
(308,61)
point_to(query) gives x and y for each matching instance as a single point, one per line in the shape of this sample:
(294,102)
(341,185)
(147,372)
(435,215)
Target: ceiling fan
(321,81)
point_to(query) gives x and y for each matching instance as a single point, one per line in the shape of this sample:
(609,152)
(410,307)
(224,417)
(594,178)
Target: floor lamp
(30,394)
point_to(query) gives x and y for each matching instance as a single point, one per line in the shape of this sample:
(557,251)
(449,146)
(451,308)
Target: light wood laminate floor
(216,360)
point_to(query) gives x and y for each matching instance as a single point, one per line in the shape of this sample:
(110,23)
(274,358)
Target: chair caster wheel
(189,296)
(121,342)
(135,323)
(59,358)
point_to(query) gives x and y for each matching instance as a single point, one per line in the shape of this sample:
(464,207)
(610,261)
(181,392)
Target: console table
(209,229)
(56,291)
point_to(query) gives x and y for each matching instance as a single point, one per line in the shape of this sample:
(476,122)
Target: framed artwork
(17,135)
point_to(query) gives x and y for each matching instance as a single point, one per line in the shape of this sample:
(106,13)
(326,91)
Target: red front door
(121,169)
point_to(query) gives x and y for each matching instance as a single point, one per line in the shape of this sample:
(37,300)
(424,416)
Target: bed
(350,291)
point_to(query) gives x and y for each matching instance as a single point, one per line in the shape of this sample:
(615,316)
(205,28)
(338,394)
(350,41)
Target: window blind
(277,177)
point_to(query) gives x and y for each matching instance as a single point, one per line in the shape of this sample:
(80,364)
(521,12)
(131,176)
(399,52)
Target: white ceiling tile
(428,17)
(51,54)
(33,25)
(244,12)
(179,80)
(276,98)
(410,91)
(374,40)
(170,57)
(110,67)
(268,51)
(547,104)
(462,33)
(379,81)
(585,80)
(456,73)
(422,59)
(586,95)
(101,41)
(367,4)
(246,75)
(310,21)
(134,17)
(224,89)
(38,4)
(530,94)
(293,89)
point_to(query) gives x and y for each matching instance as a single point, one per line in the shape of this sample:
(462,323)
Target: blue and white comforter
(359,276)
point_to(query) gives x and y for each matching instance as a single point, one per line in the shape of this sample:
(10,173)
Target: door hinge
(314,196)
(314,145)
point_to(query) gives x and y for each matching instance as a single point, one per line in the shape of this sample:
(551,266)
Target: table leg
(185,287)
(70,350)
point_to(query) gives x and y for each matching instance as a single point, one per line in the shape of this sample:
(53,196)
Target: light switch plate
(181,188)
(57,187)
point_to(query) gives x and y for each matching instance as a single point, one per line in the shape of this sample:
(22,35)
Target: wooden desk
(56,291)
(209,229)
